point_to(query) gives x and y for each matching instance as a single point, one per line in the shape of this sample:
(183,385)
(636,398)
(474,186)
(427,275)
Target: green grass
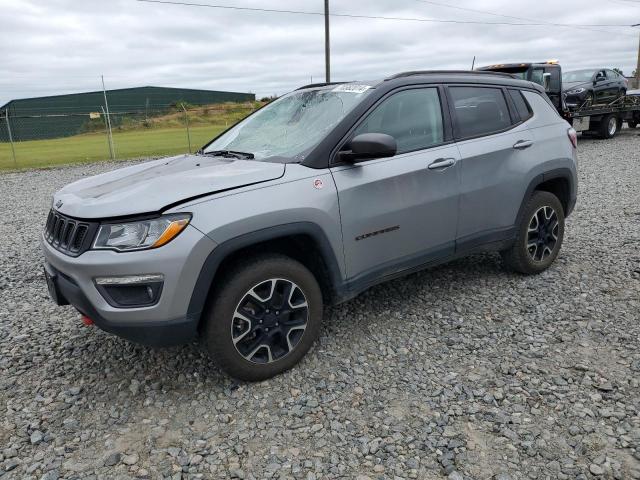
(166,136)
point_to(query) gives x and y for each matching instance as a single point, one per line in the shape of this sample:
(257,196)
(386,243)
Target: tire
(609,126)
(521,256)
(254,328)
(588,100)
(632,124)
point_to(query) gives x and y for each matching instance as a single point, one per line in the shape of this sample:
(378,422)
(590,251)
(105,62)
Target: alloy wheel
(588,101)
(269,320)
(542,233)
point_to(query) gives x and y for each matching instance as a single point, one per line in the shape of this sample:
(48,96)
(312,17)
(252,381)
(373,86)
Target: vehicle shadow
(173,366)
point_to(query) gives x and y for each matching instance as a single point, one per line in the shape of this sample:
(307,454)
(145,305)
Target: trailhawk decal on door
(377,232)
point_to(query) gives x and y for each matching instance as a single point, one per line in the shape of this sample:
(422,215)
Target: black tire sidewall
(604,126)
(235,284)
(539,200)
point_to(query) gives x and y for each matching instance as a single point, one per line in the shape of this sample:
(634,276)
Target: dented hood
(152,186)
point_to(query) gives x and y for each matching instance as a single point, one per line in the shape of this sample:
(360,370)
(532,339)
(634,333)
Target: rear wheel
(609,126)
(632,124)
(539,235)
(588,100)
(264,317)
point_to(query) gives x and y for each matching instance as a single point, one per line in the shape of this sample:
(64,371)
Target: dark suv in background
(592,86)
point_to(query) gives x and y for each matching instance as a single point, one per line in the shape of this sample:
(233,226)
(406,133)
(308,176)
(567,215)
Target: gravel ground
(460,372)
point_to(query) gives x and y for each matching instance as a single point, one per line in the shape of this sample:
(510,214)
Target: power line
(625,3)
(566,25)
(348,15)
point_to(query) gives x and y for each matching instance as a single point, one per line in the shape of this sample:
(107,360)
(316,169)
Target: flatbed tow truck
(600,120)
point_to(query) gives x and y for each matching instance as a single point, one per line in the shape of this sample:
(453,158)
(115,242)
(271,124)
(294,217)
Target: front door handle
(441,163)
(522,144)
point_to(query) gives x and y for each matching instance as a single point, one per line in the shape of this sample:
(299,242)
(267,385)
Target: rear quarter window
(545,113)
(522,107)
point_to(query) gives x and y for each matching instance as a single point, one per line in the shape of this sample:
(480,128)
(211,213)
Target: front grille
(67,234)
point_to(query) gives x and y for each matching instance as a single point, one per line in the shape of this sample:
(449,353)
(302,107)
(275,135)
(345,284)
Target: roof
(440,76)
(460,76)
(446,72)
(119,91)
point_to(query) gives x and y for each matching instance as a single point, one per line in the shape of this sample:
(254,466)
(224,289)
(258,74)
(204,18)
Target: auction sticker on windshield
(351,88)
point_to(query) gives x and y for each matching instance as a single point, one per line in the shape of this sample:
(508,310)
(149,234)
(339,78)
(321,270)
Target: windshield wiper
(231,154)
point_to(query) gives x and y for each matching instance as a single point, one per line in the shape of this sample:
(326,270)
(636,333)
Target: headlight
(576,91)
(142,234)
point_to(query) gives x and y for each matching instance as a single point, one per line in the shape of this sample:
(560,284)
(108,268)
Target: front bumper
(169,321)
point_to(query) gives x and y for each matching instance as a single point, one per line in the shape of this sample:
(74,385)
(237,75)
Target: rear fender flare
(540,179)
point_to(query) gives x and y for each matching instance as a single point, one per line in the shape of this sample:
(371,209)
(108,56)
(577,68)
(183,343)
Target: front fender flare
(223,250)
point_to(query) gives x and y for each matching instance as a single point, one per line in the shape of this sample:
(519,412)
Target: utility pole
(327,53)
(638,64)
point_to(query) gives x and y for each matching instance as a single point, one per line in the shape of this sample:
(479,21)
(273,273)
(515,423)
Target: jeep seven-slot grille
(68,235)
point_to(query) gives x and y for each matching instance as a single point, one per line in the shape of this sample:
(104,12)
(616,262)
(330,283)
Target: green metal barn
(66,115)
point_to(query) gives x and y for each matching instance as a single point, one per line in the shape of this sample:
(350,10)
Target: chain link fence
(50,139)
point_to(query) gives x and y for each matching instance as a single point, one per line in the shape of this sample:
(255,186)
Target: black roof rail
(437,72)
(321,84)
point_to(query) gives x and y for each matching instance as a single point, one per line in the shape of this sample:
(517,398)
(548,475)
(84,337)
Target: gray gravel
(461,372)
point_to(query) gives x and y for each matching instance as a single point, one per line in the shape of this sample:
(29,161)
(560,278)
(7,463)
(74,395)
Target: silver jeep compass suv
(312,199)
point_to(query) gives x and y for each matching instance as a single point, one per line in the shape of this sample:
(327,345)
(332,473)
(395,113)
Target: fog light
(131,291)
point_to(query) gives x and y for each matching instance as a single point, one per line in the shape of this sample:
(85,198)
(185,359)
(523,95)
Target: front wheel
(264,317)
(539,235)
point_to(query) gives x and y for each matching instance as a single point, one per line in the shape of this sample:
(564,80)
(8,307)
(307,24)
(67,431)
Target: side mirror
(369,145)
(546,81)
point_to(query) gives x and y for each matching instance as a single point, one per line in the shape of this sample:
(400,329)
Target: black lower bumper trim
(153,333)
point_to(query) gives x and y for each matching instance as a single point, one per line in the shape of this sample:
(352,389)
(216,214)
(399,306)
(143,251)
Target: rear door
(616,84)
(495,148)
(401,211)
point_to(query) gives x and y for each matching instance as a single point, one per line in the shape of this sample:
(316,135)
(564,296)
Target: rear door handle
(441,163)
(522,144)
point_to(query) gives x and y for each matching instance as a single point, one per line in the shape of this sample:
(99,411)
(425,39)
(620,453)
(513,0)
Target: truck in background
(600,120)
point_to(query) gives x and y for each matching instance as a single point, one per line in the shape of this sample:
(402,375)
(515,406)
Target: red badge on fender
(317,183)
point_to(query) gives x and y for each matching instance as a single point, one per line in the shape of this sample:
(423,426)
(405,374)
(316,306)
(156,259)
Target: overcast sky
(49,47)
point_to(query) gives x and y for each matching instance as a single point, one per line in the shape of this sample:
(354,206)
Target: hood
(566,86)
(151,186)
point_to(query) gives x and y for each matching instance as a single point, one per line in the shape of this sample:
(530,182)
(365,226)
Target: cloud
(63,46)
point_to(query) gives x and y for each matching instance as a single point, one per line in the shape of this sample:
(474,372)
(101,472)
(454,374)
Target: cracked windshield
(292,125)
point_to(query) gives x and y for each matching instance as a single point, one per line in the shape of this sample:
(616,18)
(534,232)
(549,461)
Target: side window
(537,75)
(522,107)
(412,117)
(479,110)
(554,84)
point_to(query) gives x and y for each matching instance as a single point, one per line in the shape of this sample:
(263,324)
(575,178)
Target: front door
(602,87)
(401,211)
